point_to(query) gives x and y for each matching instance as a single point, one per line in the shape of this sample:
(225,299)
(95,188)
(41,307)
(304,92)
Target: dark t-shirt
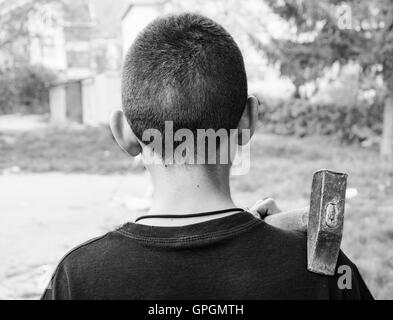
(237,257)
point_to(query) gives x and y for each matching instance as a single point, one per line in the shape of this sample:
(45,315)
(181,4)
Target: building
(84,44)
(89,101)
(54,34)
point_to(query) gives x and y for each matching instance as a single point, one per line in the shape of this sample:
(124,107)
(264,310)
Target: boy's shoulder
(75,265)
(291,254)
(281,240)
(93,250)
(84,251)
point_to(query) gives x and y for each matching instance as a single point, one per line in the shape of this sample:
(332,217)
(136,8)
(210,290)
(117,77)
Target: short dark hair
(187,69)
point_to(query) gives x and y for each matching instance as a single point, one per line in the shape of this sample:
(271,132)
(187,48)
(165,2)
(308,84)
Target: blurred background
(323,70)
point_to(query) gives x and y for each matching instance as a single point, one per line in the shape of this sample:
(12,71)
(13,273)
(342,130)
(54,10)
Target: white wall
(58,108)
(100,96)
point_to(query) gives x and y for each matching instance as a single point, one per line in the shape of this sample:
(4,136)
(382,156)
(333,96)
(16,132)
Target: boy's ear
(123,134)
(249,120)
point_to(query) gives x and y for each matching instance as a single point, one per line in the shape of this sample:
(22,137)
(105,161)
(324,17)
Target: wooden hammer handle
(293,220)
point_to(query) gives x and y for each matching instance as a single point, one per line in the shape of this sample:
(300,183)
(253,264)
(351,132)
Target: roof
(10,6)
(77,12)
(108,15)
(64,82)
(133,3)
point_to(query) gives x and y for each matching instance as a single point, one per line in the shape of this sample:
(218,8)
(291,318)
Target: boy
(187,71)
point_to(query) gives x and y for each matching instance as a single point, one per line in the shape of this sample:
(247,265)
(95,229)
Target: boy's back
(237,257)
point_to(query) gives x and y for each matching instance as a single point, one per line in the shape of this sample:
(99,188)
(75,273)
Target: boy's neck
(187,190)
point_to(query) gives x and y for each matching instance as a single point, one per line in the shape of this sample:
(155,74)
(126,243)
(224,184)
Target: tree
(24,20)
(334,31)
(22,85)
(14,20)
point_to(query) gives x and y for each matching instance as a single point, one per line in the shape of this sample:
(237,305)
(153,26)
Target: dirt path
(43,216)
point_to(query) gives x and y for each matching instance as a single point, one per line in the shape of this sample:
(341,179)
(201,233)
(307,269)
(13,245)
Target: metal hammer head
(326,221)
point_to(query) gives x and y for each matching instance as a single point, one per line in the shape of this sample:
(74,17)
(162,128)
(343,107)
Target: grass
(70,150)
(282,168)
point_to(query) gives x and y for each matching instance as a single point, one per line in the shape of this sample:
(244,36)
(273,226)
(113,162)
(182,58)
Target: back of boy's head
(186,69)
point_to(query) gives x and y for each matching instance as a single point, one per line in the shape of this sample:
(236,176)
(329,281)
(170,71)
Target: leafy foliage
(15,22)
(24,88)
(8,93)
(319,38)
(350,124)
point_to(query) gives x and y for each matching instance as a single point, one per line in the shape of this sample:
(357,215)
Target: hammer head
(326,221)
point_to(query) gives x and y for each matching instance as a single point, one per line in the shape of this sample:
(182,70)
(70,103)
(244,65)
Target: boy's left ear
(249,120)
(123,134)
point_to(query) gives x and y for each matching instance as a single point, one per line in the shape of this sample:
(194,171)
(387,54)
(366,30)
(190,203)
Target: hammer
(324,222)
